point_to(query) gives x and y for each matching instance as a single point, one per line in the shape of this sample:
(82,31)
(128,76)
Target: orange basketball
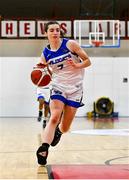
(40,77)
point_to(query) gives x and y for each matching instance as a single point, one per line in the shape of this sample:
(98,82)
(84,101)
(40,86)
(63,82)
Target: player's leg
(58,133)
(41,104)
(73,101)
(46,113)
(46,109)
(68,116)
(56,107)
(65,122)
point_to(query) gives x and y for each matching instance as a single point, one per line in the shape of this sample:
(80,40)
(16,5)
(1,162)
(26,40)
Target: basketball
(40,77)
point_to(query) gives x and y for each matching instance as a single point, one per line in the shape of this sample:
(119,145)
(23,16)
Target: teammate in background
(67,61)
(43,95)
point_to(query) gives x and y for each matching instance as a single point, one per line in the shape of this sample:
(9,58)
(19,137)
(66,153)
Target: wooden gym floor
(98,141)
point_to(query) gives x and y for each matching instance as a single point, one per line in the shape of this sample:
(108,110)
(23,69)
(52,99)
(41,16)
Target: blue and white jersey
(64,75)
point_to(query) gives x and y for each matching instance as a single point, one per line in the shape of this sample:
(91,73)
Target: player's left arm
(75,48)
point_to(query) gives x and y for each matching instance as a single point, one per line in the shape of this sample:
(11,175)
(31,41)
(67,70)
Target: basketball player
(43,95)
(67,61)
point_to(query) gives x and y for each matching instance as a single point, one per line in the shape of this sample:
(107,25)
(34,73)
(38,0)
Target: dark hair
(46,26)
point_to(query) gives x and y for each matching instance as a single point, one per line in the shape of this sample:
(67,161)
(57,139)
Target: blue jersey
(64,74)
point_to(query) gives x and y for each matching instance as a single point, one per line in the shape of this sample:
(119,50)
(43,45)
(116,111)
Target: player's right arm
(44,64)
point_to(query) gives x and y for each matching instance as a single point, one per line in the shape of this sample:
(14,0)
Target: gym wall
(104,78)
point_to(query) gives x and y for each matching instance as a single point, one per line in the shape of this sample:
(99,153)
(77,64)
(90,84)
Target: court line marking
(108,162)
(110,132)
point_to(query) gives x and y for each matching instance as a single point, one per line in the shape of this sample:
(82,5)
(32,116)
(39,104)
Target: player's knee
(55,119)
(41,101)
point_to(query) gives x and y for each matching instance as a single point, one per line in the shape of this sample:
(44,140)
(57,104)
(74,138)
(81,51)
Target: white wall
(103,78)
(17,93)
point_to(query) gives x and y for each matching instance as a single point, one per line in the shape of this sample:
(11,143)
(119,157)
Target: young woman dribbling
(67,61)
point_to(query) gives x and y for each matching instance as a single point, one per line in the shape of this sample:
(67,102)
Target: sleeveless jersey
(64,75)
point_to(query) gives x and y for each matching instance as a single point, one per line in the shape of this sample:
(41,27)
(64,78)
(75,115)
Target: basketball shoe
(44,123)
(40,116)
(42,154)
(57,137)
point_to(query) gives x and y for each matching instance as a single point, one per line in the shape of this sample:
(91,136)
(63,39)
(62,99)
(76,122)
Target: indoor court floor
(92,148)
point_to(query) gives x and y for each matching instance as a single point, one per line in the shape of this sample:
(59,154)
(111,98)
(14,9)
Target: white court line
(114,132)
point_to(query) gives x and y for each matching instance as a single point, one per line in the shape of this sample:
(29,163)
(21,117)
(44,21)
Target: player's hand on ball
(41,65)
